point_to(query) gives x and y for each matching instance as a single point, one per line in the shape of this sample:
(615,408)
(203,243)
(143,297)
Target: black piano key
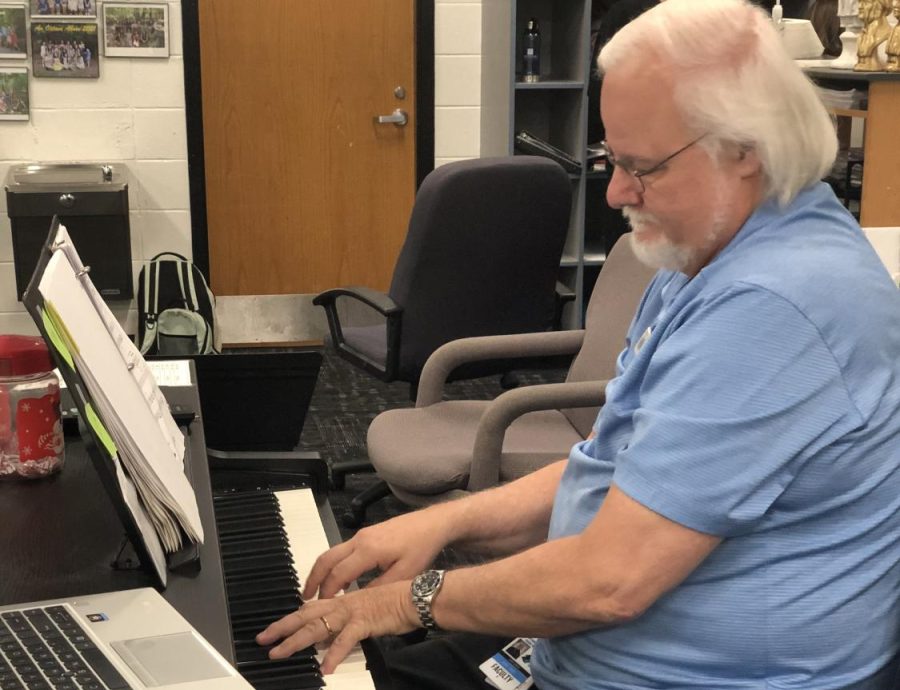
(287,595)
(260,520)
(264,543)
(248,508)
(250,587)
(305,658)
(277,607)
(245,497)
(237,534)
(247,650)
(256,563)
(292,675)
(284,572)
(275,588)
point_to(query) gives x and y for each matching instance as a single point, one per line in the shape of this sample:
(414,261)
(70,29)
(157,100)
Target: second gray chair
(441,449)
(481,257)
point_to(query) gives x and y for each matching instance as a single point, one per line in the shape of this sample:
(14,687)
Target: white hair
(735,83)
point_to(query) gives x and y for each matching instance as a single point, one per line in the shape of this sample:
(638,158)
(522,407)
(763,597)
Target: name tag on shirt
(645,336)
(510,668)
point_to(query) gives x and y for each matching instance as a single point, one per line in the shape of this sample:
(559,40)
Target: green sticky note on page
(59,335)
(94,422)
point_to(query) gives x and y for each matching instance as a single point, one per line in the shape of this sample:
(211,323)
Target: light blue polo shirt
(759,402)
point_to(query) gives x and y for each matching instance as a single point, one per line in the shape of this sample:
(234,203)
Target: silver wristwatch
(424,589)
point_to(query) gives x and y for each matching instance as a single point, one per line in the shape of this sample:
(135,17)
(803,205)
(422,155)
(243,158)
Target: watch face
(426,583)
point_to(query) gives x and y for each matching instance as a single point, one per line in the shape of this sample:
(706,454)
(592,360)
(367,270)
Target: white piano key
(306,540)
(349,681)
(305,533)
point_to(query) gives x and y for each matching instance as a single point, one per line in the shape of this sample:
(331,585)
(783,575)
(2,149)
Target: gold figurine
(874,14)
(893,44)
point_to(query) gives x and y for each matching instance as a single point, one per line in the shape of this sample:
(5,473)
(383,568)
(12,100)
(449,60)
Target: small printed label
(97,617)
(510,668)
(645,336)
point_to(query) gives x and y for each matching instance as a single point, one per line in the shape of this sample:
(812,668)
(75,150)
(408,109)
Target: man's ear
(747,161)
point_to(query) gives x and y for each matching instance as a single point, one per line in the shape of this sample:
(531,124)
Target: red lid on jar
(21,355)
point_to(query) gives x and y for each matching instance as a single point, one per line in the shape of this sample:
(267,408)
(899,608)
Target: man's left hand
(341,622)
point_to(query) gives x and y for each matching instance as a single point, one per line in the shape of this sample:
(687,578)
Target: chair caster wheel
(338,481)
(352,518)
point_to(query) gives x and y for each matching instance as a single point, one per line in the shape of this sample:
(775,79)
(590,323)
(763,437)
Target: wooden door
(304,189)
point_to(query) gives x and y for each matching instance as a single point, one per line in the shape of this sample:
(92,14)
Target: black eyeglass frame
(637,174)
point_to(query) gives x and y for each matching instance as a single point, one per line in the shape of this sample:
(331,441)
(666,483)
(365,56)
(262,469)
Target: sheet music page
(151,540)
(131,355)
(126,395)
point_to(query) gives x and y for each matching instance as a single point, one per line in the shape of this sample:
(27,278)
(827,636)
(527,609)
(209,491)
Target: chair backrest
(612,306)
(481,255)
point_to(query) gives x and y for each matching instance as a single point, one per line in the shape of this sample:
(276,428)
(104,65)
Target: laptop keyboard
(46,649)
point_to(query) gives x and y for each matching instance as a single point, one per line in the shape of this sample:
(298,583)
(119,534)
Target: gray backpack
(176,309)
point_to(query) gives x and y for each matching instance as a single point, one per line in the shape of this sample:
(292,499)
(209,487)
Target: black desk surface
(59,535)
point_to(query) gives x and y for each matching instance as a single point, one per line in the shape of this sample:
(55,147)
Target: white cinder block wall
(457,80)
(133,115)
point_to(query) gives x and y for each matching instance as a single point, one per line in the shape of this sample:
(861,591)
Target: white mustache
(637,218)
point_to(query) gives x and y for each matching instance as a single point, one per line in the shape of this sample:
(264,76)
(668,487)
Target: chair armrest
(465,350)
(379,301)
(506,408)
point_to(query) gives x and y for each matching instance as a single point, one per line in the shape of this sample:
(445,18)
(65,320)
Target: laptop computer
(131,639)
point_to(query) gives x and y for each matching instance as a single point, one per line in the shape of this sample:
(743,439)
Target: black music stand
(96,437)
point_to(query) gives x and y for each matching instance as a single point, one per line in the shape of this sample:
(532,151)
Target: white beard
(654,249)
(659,252)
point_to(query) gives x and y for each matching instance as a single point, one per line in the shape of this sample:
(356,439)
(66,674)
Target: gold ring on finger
(327,626)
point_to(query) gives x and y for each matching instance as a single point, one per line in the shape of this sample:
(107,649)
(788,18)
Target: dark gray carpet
(345,402)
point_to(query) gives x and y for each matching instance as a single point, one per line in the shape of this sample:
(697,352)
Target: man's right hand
(400,548)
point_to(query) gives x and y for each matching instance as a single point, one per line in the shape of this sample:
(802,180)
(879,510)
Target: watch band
(424,588)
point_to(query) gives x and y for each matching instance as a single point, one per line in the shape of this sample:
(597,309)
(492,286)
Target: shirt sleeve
(739,394)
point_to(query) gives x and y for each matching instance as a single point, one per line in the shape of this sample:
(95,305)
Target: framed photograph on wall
(13,93)
(135,30)
(13,34)
(63,8)
(65,50)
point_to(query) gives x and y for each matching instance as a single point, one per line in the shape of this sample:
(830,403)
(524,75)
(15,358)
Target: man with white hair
(734,521)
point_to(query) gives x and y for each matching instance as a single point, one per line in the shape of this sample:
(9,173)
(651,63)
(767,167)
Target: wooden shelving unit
(554,108)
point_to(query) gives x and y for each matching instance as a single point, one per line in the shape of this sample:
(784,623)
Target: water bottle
(531,51)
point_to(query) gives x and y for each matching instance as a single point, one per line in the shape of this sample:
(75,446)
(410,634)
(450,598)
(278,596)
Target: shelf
(553,109)
(550,84)
(849,74)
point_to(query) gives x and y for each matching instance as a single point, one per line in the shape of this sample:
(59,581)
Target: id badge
(510,668)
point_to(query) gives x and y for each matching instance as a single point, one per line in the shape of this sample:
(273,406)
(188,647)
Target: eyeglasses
(638,173)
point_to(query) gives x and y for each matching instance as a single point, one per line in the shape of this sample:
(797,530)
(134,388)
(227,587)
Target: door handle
(398,118)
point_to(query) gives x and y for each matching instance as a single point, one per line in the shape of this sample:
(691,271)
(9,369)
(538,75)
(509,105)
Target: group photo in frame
(14,93)
(63,8)
(135,29)
(13,31)
(65,50)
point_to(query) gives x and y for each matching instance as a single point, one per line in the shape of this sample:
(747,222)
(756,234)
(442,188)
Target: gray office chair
(481,257)
(442,449)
